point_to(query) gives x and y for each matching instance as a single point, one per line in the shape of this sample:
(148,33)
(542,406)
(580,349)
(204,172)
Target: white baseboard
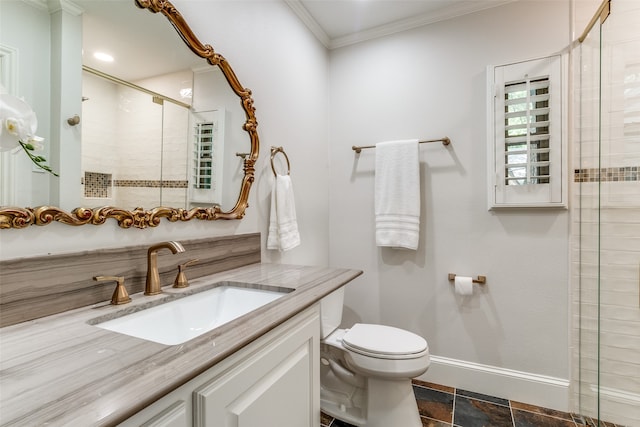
(540,390)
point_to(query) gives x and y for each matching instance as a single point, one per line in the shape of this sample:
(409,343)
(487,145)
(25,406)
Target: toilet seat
(384,342)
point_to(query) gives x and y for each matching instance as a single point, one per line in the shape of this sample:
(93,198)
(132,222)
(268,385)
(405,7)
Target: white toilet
(366,370)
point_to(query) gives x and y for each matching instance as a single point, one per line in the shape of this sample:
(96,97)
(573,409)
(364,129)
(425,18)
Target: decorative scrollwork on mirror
(16,217)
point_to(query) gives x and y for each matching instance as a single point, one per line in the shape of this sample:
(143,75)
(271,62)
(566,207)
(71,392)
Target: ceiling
(119,28)
(338,23)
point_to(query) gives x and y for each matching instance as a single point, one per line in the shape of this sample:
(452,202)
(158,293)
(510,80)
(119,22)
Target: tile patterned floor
(442,406)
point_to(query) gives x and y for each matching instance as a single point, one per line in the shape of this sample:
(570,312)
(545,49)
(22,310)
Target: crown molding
(53,6)
(309,21)
(415,22)
(393,27)
(65,5)
(38,4)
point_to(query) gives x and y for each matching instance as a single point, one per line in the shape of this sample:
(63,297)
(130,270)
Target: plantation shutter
(526,132)
(203,155)
(527,143)
(206,157)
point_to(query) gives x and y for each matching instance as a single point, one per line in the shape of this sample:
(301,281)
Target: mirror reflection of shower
(134,142)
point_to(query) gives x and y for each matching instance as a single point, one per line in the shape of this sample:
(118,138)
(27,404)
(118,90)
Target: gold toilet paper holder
(481,279)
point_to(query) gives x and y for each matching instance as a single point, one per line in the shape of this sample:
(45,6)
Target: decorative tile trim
(150,183)
(626,173)
(98,185)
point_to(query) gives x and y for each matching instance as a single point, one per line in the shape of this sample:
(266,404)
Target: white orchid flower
(36,142)
(19,122)
(18,126)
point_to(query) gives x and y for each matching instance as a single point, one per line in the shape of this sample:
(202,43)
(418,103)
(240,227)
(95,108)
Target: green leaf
(37,160)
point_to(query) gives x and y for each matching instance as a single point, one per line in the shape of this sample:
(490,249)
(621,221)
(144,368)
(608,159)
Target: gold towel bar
(481,279)
(445,141)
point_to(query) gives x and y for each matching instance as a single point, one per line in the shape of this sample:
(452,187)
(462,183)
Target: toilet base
(385,403)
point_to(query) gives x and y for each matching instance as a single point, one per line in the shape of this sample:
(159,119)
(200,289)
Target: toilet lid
(383,340)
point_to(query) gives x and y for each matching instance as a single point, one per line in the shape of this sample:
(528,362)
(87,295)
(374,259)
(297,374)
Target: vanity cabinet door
(276,386)
(170,411)
(175,415)
(274,381)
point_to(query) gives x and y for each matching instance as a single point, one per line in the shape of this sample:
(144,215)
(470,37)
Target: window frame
(553,194)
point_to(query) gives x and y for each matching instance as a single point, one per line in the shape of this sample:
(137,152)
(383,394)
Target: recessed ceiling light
(103,56)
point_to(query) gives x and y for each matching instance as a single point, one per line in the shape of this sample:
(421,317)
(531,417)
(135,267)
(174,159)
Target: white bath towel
(397,194)
(283,226)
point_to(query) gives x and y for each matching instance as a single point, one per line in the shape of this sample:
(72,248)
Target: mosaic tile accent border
(150,183)
(626,173)
(97,185)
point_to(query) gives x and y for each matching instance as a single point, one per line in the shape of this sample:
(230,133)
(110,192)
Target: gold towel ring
(274,151)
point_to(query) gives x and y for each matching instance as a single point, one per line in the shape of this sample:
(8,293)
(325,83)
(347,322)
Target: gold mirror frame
(13,217)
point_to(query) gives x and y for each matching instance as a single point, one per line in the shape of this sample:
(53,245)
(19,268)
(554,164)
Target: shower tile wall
(99,129)
(606,221)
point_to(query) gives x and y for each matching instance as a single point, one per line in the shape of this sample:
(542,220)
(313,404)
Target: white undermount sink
(182,319)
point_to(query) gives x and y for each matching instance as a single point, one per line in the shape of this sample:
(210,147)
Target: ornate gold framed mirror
(197,204)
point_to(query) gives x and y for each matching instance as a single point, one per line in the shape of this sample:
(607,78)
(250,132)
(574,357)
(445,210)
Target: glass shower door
(607,219)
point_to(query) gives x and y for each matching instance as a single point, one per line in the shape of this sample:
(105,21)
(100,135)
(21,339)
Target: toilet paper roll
(464,285)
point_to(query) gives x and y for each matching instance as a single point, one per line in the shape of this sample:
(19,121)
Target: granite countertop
(61,370)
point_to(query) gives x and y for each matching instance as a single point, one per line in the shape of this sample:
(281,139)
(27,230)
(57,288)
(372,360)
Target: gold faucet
(152,287)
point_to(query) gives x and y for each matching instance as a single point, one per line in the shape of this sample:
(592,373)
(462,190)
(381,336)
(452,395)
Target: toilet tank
(331,312)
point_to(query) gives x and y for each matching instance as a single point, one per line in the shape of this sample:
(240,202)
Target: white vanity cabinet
(273,381)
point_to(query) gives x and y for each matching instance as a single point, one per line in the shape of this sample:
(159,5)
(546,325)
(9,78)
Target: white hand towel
(397,194)
(283,226)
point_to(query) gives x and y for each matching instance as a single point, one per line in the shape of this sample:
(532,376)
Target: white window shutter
(206,157)
(526,138)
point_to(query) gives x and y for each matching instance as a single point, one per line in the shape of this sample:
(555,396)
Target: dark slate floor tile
(325,420)
(434,404)
(579,420)
(434,386)
(532,419)
(428,422)
(593,422)
(478,413)
(540,410)
(485,397)
(340,423)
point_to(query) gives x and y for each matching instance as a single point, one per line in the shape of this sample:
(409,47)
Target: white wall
(275,56)
(427,83)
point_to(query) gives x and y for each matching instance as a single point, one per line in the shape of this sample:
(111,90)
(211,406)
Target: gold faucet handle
(120,295)
(181,279)
(188,263)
